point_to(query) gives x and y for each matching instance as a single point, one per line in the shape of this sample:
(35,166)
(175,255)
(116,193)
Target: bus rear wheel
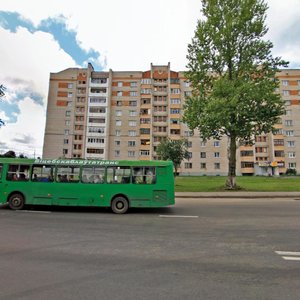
(16,201)
(119,205)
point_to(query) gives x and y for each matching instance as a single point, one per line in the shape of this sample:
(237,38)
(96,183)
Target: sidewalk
(237,194)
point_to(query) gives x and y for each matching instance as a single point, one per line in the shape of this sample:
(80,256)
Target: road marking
(291,258)
(33,211)
(177,216)
(289,255)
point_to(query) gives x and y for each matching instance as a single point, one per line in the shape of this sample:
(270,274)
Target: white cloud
(31,56)
(26,62)
(30,124)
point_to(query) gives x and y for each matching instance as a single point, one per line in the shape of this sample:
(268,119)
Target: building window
(246,153)
(118,113)
(285,82)
(68,122)
(132,123)
(146,91)
(131,143)
(278,142)
(117,153)
(95,129)
(246,164)
(146,81)
(291,154)
(118,132)
(292,165)
(117,143)
(70,85)
(118,123)
(285,92)
(217,154)
(66,141)
(202,144)
(119,94)
(67,131)
(175,91)
(288,122)
(175,101)
(144,152)
(131,153)
(188,165)
(289,132)
(288,112)
(202,165)
(70,94)
(216,143)
(217,166)
(94,151)
(133,94)
(133,84)
(120,84)
(132,113)
(174,111)
(132,103)
(131,133)
(65,151)
(202,154)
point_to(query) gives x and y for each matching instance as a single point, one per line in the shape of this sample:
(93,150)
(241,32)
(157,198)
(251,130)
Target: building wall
(124,115)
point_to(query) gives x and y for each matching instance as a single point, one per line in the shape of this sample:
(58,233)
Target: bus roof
(87,162)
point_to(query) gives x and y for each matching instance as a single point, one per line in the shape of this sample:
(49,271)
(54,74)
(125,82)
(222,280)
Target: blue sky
(39,37)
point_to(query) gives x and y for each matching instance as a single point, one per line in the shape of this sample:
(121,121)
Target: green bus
(100,183)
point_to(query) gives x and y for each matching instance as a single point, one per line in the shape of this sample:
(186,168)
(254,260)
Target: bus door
(43,186)
(92,186)
(143,179)
(66,186)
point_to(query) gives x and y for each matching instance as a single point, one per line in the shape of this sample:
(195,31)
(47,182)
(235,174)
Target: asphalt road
(199,249)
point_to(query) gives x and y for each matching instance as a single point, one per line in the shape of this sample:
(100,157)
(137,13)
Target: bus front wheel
(16,201)
(119,205)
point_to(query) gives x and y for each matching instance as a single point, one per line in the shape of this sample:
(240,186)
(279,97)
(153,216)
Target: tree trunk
(231,179)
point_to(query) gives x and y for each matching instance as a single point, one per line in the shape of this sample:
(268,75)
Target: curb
(248,195)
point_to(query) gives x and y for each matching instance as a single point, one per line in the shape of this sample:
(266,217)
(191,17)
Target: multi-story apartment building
(125,115)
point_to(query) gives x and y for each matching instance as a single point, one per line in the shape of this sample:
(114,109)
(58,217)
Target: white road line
(288,253)
(177,216)
(33,211)
(291,258)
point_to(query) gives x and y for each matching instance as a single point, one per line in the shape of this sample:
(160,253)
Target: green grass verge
(255,183)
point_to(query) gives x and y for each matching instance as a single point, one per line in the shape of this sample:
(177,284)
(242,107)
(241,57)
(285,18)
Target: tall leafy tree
(2,94)
(232,72)
(174,150)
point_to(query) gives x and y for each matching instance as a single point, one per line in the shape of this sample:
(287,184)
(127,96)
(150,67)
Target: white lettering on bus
(76,162)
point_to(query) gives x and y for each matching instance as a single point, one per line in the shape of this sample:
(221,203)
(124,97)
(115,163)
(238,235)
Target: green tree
(232,73)
(10,153)
(174,150)
(2,94)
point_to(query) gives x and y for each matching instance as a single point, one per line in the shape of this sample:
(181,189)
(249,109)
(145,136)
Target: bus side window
(93,175)
(144,175)
(18,172)
(118,175)
(68,174)
(42,173)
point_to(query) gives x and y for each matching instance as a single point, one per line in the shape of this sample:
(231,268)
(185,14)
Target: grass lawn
(246,183)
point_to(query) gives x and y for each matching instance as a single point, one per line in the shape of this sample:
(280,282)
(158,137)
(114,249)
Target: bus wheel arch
(16,200)
(119,204)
